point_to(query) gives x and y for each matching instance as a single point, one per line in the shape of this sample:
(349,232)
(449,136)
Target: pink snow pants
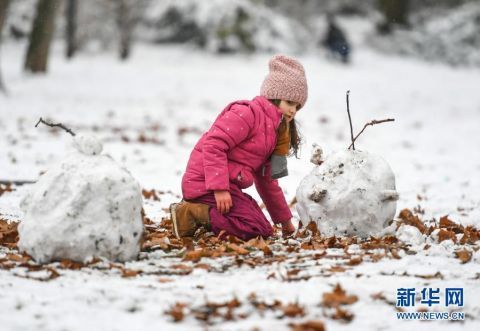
(244,220)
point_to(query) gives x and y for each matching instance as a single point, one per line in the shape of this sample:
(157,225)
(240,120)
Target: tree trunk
(395,12)
(71,16)
(128,14)
(41,36)
(3,16)
(125,26)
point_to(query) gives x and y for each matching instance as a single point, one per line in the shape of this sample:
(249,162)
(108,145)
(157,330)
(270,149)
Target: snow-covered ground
(150,110)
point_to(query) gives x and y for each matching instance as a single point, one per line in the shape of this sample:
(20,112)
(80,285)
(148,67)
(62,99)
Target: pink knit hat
(285,81)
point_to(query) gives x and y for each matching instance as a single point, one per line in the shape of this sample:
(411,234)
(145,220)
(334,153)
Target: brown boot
(187,217)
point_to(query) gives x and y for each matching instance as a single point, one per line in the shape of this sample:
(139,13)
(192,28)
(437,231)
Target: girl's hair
(295,136)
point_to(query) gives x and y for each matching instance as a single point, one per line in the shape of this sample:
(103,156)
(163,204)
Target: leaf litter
(307,254)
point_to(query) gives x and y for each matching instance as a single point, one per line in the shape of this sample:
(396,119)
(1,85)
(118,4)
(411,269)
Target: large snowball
(350,193)
(86,206)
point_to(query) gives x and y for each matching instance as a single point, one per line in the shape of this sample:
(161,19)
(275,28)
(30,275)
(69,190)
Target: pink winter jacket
(237,149)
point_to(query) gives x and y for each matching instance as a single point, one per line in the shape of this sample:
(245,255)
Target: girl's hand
(287,228)
(224,201)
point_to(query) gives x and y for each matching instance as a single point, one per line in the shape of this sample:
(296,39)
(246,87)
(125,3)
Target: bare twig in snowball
(350,120)
(53,125)
(15,182)
(369,123)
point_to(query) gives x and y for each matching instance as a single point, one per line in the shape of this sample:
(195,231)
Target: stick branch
(369,123)
(15,182)
(60,125)
(350,120)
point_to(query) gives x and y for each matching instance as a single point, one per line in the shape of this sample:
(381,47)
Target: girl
(247,144)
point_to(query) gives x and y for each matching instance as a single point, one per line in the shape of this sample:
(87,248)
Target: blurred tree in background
(3,14)
(128,14)
(71,30)
(395,12)
(125,24)
(41,36)
(443,30)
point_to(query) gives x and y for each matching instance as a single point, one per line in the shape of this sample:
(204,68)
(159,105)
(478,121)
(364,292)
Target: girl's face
(288,109)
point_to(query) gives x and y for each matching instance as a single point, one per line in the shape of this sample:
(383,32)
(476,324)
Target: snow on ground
(150,111)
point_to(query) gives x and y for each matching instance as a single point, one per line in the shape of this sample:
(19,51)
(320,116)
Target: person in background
(336,41)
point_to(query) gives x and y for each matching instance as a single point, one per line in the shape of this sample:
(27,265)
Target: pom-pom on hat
(285,81)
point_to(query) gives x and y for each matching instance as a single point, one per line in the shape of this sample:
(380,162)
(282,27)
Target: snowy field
(150,111)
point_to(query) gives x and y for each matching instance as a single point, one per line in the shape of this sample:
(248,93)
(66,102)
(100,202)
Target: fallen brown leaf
(395,254)
(464,255)
(448,224)
(203,266)
(312,226)
(338,297)
(438,275)
(194,256)
(259,243)
(408,218)
(342,314)
(183,269)
(8,233)
(237,249)
(72,265)
(307,326)
(378,296)
(165,280)
(150,194)
(126,273)
(331,242)
(445,235)
(176,312)
(293,310)
(336,268)
(355,260)
(53,273)
(470,236)
(18,258)
(5,188)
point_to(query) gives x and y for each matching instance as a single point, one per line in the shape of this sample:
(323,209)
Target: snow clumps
(351,192)
(410,235)
(86,206)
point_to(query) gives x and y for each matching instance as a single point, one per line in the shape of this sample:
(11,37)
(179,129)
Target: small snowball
(476,257)
(87,144)
(438,250)
(434,236)
(410,235)
(448,244)
(292,242)
(389,230)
